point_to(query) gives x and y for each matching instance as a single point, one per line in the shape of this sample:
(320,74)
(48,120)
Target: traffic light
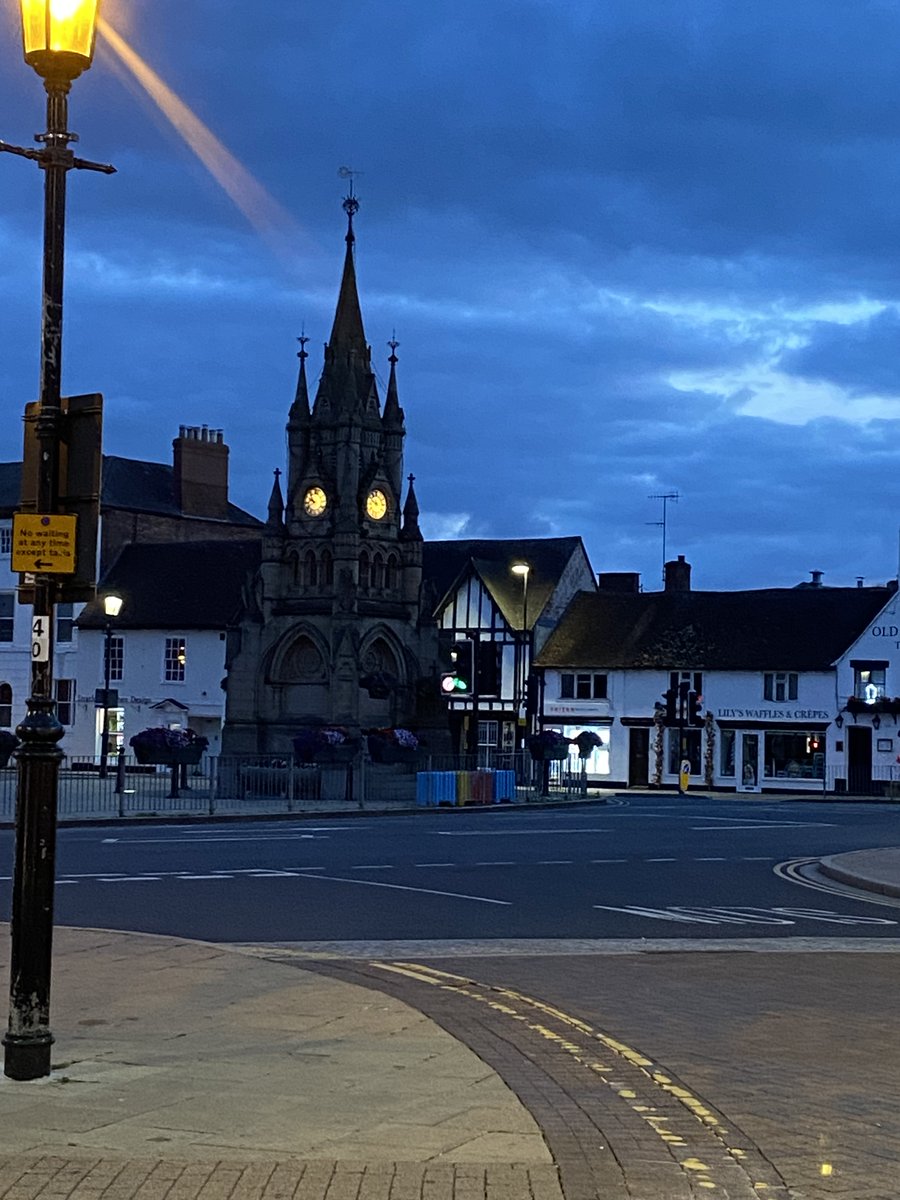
(671,699)
(458,680)
(695,714)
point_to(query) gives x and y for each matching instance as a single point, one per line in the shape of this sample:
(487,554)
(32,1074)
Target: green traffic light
(460,685)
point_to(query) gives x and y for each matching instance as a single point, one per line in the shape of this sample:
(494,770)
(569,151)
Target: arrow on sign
(38,565)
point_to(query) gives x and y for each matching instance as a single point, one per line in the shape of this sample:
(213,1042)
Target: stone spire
(393,413)
(347,333)
(276,504)
(300,407)
(411,531)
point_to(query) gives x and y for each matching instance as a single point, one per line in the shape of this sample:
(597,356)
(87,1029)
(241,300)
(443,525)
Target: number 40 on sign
(40,639)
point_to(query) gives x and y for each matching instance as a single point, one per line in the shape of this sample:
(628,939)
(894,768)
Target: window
(65,620)
(487,668)
(794,755)
(691,751)
(488,733)
(65,701)
(7,619)
(5,541)
(5,705)
(176,657)
(868,681)
(364,572)
(726,753)
(116,646)
(326,570)
(780,685)
(694,679)
(582,687)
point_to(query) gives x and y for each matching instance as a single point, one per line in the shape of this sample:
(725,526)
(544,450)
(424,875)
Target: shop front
(765,755)
(571,722)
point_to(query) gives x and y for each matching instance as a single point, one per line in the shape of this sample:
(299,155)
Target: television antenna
(665,497)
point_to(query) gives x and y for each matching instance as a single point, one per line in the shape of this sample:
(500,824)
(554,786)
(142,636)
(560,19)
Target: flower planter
(381,750)
(161,757)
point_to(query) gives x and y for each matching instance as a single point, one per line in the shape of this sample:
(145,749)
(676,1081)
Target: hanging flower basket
(587,742)
(548,746)
(325,744)
(392,746)
(168,747)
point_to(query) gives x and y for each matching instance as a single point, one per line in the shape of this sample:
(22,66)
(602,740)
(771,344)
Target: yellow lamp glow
(58,36)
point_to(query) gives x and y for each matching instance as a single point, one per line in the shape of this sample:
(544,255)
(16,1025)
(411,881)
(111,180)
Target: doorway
(859,759)
(638,757)
(749,764)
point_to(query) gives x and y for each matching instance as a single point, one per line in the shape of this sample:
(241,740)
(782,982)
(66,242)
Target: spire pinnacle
(348,333)
(300,407)
(393,413)
(410,531)
(276,503)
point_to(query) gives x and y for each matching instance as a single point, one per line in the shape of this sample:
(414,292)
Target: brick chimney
(619,581)
(200,472)
(678,575)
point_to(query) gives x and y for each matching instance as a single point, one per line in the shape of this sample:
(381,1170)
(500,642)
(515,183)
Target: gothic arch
(300,657)
(310,571)
(377,572)
(381,652)
(364,571)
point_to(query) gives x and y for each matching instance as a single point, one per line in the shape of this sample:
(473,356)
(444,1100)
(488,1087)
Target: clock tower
(334,627)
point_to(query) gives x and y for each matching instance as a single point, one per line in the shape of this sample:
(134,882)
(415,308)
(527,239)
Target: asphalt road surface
(643,868)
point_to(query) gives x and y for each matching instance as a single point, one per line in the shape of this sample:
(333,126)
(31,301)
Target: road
(648,867)
(762,1004)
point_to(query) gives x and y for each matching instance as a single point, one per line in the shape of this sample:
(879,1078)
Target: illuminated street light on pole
(523,570)
(112,606)
(58,41)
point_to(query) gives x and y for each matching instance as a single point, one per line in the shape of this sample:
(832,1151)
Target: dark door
(859,759)
(638,757)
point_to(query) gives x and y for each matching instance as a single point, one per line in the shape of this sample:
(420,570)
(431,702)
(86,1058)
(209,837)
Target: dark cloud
(597,229)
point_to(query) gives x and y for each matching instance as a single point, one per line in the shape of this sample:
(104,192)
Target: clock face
(315,502)
(376,504)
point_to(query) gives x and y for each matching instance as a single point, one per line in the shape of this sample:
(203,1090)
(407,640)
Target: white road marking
(220,878)
(554,862)
(514,832)
(738,915)
(598,861)
(108,841)
(773,825)
(373,867)
(710,860)
(660,860)
(399,887)
(499,863)
(262,837)
(443,864)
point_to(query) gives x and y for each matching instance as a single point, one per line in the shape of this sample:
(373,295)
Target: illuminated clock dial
(315,502)
(376,504)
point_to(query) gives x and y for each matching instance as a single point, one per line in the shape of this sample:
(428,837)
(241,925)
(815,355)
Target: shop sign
(775,714)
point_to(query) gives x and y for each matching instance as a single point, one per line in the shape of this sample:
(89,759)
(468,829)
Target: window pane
(794,755)
(116,658)
(175,660)
(64,622)
(599,687)
(726,753)
(792,686)
(582,687)
(567,687)
(7,610)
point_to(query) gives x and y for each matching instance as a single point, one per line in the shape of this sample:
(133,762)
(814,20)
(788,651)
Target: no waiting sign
(43,545)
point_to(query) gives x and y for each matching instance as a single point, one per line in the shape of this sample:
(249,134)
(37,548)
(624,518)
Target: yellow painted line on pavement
(657,1122)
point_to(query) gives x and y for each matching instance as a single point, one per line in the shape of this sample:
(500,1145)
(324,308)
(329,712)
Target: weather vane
(351,203)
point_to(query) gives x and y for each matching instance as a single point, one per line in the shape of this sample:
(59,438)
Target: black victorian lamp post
(112,606)
(58,37)
(523,569)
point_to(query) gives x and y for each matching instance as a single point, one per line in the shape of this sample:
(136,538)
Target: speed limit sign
(40,639)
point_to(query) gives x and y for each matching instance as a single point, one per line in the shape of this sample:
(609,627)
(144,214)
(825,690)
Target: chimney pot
(678,575)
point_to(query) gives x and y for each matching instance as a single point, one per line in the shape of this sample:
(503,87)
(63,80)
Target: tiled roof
(493,558)
(177,585)
(799,629)
(127,483)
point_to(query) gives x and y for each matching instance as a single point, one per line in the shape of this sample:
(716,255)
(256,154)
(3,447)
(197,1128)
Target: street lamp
(523,569)
(112,606)
(58,42)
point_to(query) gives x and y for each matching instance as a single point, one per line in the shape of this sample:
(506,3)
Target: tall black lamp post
(112,606)
(523,570)
(58,38)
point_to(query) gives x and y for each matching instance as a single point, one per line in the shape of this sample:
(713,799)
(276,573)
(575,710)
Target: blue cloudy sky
(629,248)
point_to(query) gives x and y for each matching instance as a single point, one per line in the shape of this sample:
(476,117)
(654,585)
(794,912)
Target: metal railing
(271,783)
(877,781)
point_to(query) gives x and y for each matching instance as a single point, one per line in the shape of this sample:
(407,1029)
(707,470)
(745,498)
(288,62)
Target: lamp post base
(27,1055)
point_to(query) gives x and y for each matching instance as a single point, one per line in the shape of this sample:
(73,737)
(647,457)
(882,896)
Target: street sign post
(43,544)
